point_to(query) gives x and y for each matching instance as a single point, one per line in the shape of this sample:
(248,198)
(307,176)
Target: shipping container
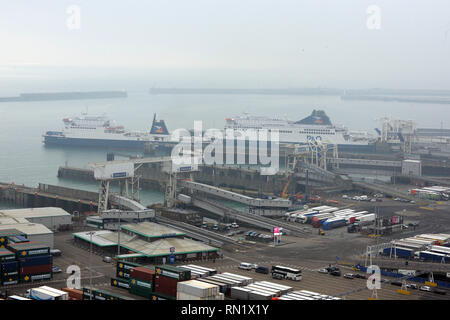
(10,280)
(197,288)
(34,277)
(36,261)
(222,286)
(260,295)
(125,265)
(245,280)
(142,284)
(166,285)
(283,289)
(45,268)
(122,274)
(142,273)
(26,249)
(173,272)
(100,294)
(210,271)
(239,293)
(74,294)
(9,268)
(120,283)
(160,296)
(7,256)
(256,287)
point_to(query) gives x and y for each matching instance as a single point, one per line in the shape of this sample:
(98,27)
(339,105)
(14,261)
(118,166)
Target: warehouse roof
(152,230)
(33,213)
(27,228)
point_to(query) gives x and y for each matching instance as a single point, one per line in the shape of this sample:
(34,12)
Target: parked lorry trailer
(434,256)
(333,223)
(45,294)
(399,252)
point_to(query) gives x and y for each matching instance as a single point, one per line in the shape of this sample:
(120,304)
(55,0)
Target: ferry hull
(139,144)
(80,142)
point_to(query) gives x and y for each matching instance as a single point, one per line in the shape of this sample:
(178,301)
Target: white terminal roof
(97,238)
(152,230)
(159,247)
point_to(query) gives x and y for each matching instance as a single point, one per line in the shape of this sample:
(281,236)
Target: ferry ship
(317,126)
(99,131)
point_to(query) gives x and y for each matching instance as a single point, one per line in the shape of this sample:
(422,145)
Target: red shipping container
(166,285)
(74,294)
(44,268)
(142,273)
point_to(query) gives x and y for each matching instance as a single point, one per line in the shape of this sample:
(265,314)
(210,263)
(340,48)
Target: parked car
(412,286)
(349,276)
(107,259)
(277,276)
(384,280)
(56,269)
(55,252)
(246,266)
(336,273)
(262,269)
(323,270)
(360,276)
(425,288)
(397,283)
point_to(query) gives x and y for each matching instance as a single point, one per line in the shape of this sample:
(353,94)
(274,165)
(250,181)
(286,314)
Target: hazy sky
(249,43)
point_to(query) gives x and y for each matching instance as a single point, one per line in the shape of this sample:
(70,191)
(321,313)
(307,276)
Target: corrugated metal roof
(160,247)
(97,238)
(34,212)
(152,230)
(27,228)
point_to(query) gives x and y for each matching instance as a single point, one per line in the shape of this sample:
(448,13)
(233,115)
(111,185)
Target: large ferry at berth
(317,126)
(99,131)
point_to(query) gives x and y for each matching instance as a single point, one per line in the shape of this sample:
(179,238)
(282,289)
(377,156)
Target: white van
(246,266)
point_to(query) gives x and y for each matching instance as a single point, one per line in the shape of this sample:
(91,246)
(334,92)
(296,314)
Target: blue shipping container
(35,261)
(9,266)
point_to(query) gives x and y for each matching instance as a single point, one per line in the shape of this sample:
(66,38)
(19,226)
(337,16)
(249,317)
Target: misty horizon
(255,44)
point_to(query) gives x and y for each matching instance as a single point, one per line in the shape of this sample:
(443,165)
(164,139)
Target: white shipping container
(260,295)
(239,293)
(197,288)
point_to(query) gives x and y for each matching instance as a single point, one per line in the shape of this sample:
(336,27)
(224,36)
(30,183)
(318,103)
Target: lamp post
(90,265)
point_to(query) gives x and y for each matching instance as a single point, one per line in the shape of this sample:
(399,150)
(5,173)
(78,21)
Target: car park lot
(327,284)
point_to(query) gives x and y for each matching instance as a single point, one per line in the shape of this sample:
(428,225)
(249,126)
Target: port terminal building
(147,242)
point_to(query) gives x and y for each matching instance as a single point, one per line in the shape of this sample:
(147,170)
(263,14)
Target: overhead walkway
(229,195)
(254,220)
